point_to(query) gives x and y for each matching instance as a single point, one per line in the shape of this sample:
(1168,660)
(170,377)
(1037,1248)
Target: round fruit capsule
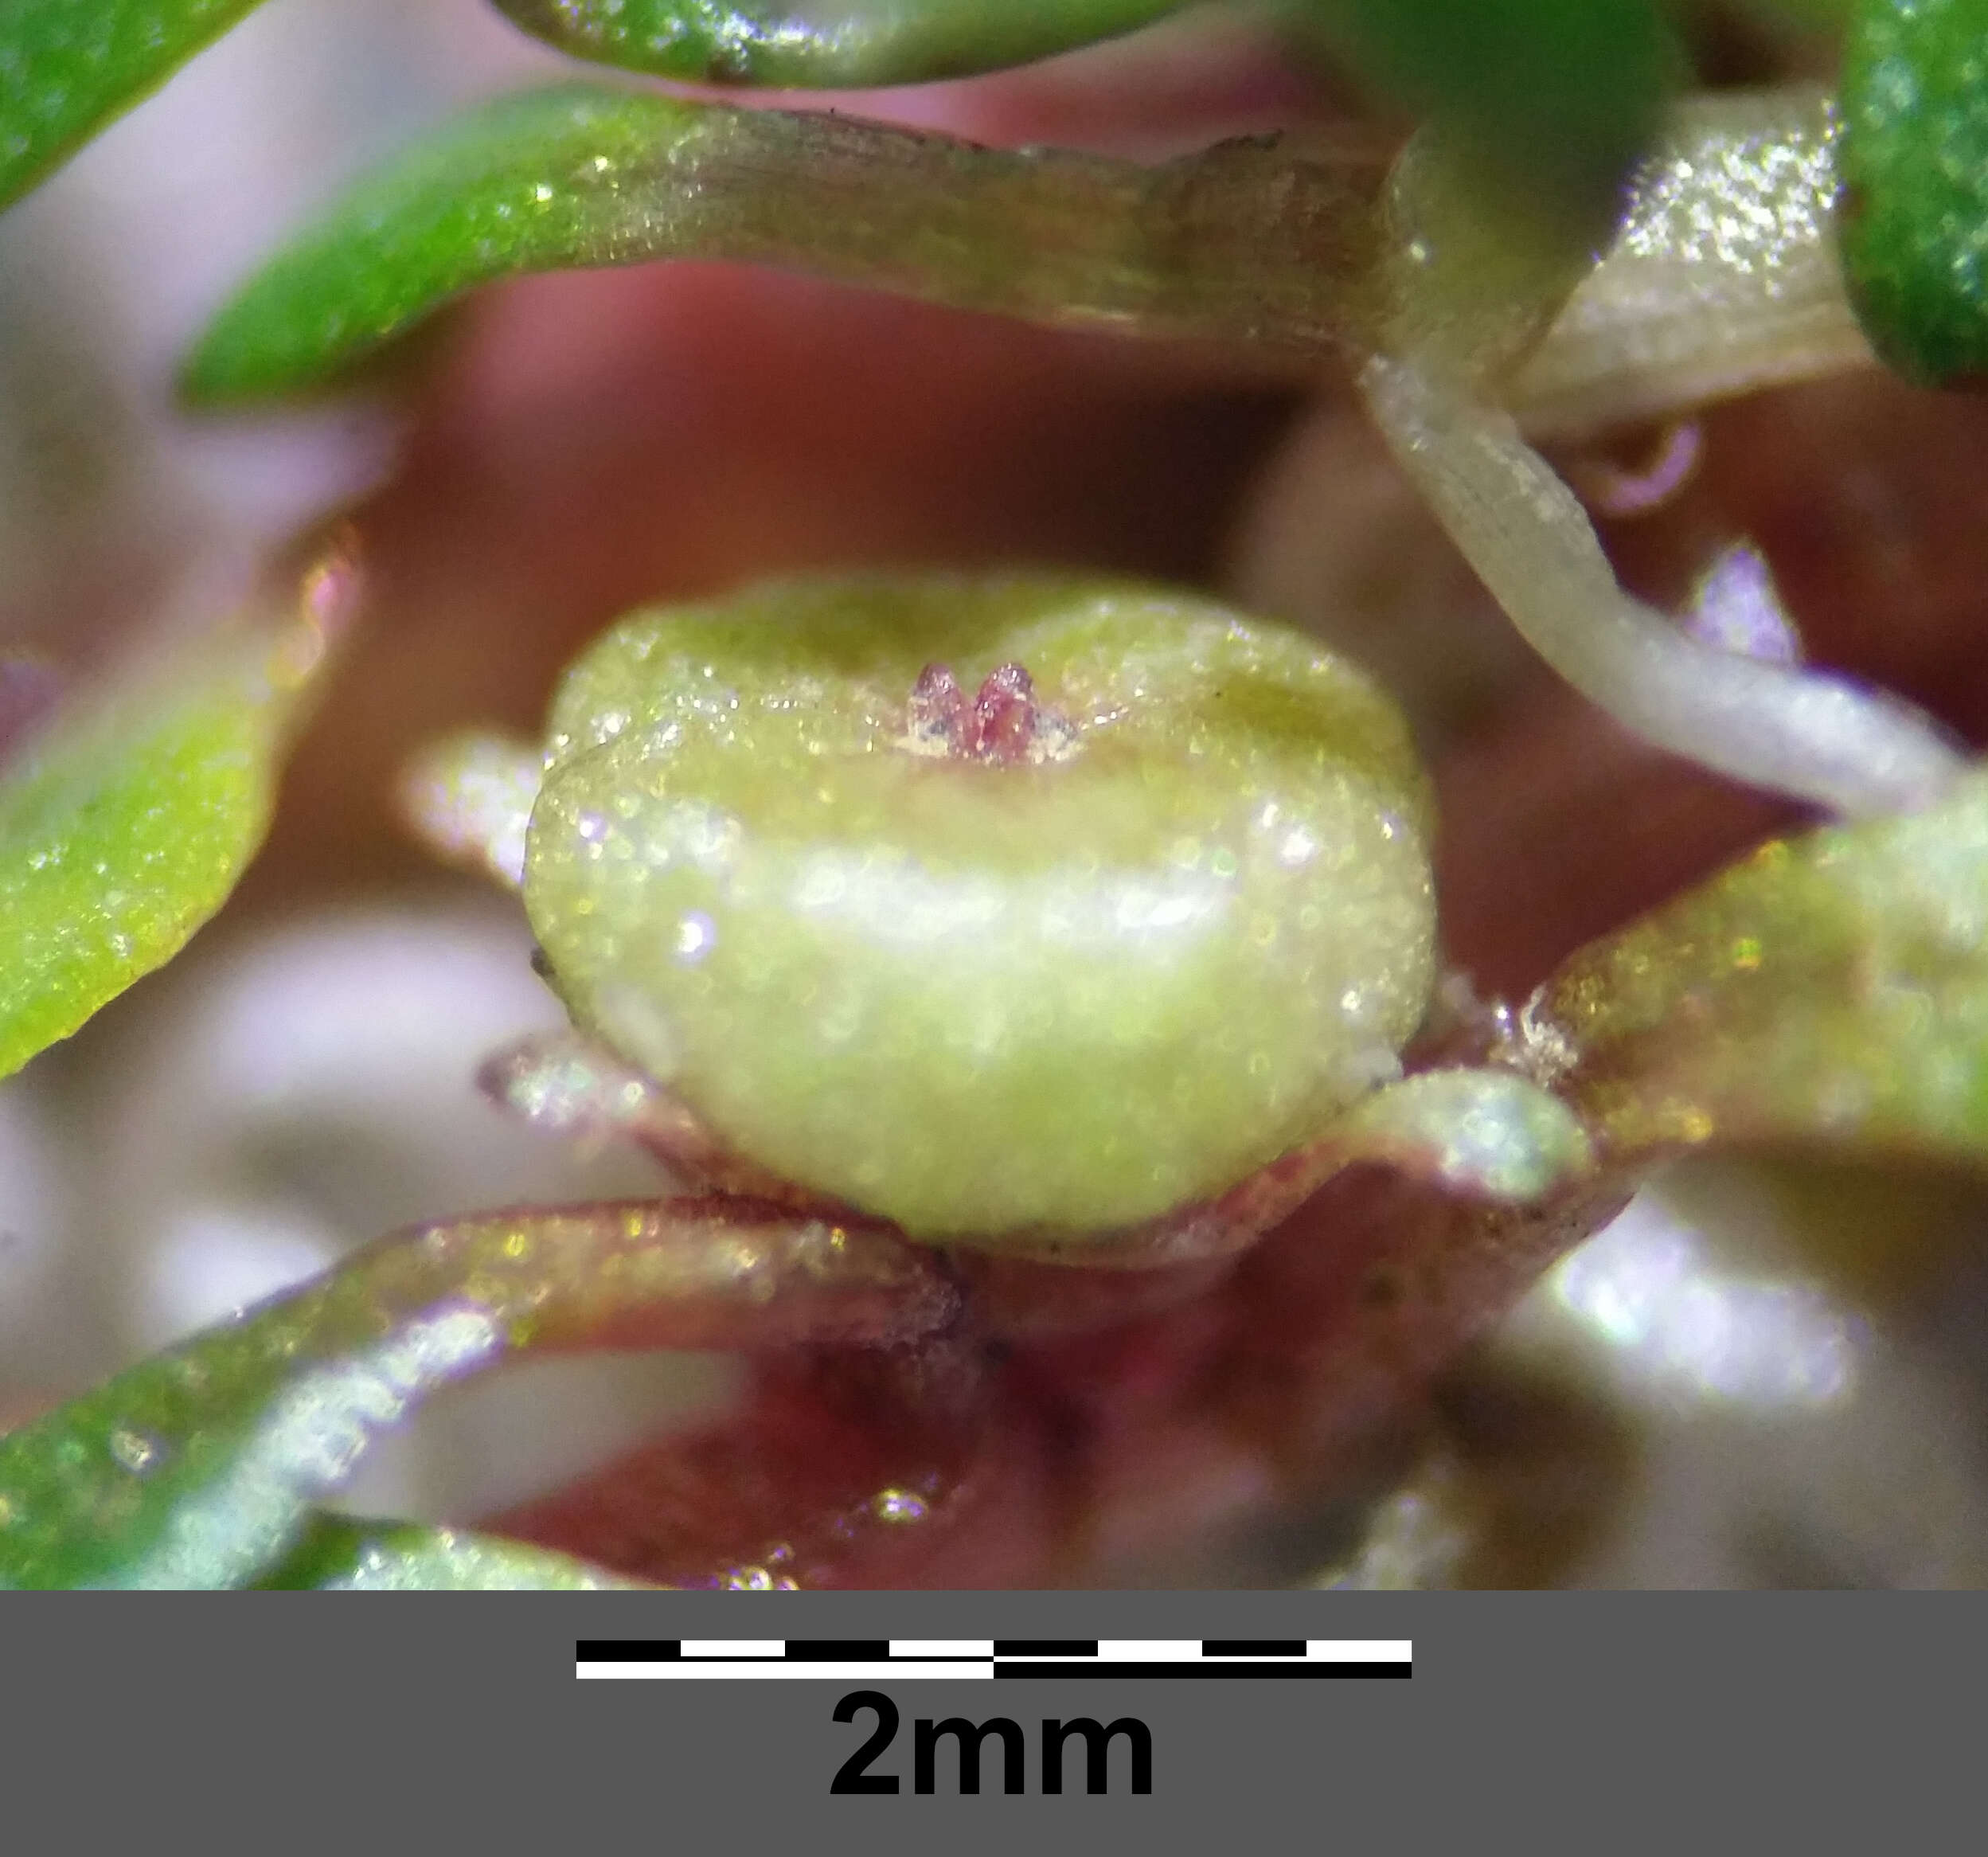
(1021,906)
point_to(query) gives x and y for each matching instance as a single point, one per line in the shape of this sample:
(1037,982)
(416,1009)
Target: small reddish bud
(1003,724)
(936,713)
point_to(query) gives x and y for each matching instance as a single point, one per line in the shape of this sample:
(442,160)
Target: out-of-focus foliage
(1914,162)
(67,67)
(124,829)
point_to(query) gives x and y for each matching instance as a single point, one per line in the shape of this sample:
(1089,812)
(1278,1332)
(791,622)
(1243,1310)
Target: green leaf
(124,830)
(1831,988)
(336,1555)
(68,67)
(203,1466)
(1246,242)
(1914,160)
(848,43)
(196,1468)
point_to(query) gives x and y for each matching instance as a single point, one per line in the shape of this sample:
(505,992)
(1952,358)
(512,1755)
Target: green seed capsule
(1914,165)
(1021,906)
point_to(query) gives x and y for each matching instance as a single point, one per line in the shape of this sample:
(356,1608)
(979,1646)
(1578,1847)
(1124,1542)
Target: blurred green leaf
(335,1555)
(848,43)
(1914,159)
(1557,98)
(1246,242)
(68,67)
(1831,988)
(124,829)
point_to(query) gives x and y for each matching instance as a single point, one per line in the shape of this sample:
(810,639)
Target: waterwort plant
(1148,908)
(1000,960)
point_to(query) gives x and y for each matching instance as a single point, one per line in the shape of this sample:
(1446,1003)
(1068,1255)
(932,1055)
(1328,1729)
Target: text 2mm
(969,1737)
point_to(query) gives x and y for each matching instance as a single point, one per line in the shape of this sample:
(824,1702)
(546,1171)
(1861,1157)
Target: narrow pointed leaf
(1832,987)
(1244,242)
(844,44)
(68,67)
(124,829)
(201,1467)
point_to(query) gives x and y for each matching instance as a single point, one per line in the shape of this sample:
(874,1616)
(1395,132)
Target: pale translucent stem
(1244,243)
(1723,277)
(1813,736)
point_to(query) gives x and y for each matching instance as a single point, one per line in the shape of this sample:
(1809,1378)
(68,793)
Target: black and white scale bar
(894,1660)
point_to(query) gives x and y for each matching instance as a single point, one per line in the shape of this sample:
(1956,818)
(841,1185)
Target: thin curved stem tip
(1813,736)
